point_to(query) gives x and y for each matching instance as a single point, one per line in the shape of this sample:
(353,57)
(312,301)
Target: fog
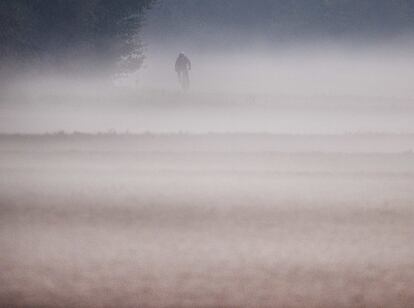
(324,78)
(282,177)
(302,89)
(206,220)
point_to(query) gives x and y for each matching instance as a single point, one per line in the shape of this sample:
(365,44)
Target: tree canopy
(61,31)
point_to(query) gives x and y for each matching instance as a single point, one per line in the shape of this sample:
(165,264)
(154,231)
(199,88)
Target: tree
(91,33)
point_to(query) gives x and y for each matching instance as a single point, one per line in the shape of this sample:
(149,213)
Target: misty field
(210,220)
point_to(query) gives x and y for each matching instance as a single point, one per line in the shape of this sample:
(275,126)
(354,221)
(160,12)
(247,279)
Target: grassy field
(206,220)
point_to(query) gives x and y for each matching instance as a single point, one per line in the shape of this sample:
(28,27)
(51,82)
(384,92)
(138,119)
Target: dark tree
(91,33)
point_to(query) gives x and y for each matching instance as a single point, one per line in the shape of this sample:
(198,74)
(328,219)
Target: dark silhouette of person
(182,67)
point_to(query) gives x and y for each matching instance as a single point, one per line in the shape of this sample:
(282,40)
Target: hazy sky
(237,24)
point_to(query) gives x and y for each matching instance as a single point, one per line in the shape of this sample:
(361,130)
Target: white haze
(301,197)
(332,88)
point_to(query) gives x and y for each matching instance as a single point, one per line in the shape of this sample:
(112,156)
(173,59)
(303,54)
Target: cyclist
(182,67)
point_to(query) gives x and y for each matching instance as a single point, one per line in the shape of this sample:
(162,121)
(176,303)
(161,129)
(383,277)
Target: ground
(213,220)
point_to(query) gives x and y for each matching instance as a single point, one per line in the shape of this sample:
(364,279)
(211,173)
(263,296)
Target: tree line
(104,33)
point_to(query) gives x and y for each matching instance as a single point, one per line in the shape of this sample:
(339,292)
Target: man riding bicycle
(182,67)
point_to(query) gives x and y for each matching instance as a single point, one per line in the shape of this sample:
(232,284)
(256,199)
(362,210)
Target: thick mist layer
(309,90)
